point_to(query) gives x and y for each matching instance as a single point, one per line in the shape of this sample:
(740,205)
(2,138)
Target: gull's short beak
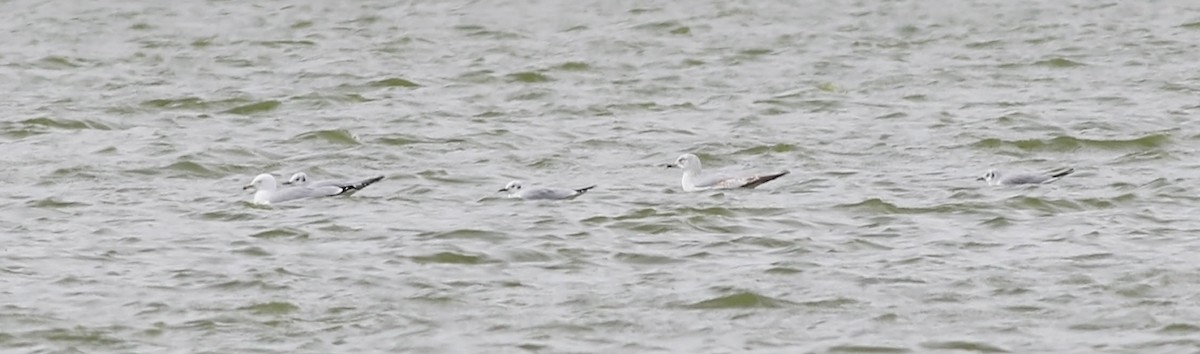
(980,179)
(671,165)
(288,183)
(502,190)
(248,186)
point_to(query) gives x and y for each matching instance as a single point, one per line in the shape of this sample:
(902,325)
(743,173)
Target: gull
(994,178)
(691,172)
(267,190)
(515,191)
(301,179)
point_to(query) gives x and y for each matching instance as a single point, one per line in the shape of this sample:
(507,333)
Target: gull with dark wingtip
(995,178)
(692,182)
(267,191)
(301,179)
(515,190)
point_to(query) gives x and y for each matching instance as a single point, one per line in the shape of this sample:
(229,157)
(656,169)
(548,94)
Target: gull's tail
(1054,176)
(350,188)
(577,192)
(760,179)
(1064,173)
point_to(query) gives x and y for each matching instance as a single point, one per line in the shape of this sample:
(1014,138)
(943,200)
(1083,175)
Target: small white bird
(993,177)
(691,172)
(515,191)
(267,190)
(301,179)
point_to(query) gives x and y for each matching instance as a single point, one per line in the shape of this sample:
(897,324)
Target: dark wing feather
(755,181)
(357,186)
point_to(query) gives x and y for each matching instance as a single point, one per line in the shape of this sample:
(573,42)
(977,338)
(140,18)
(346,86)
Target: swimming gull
(301,179)
(692,183)
(515,190)
(994,177)
(267,190)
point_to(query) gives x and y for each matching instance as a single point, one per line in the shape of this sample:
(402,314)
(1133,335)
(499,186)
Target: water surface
(129,129)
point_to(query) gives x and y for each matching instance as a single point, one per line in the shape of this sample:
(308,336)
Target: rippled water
(130,127)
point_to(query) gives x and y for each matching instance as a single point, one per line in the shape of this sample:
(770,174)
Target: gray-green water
(129,128)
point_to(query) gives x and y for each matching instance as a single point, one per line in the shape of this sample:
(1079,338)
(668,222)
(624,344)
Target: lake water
(130,127)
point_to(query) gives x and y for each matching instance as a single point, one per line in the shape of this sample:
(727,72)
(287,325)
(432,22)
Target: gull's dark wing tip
(1068,171)
(367,182)
(360,185)
(759,180)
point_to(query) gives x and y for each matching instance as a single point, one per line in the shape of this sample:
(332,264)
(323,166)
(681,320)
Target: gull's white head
(298,178)
(511,187)
(991,177)
(687,162)
(263,182)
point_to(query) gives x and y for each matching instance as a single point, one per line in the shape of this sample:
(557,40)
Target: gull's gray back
(328,183)
(1025,179)
(301,192)
(718,181)
(546,193)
